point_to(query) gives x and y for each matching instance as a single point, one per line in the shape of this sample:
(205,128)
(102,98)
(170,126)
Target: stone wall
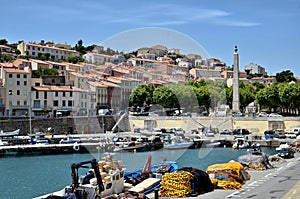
(66,124)
(102,124)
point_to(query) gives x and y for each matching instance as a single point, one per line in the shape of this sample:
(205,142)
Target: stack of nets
(295,146)
(177,184)
(255,162)
(229,175)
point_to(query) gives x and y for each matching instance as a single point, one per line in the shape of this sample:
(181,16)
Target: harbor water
(24,177)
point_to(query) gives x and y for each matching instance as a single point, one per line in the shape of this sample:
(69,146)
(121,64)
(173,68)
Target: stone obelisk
(236,92)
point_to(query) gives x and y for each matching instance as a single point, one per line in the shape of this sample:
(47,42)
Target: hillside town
(99,79)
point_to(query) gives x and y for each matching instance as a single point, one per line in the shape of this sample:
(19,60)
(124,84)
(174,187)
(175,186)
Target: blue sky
(266,32)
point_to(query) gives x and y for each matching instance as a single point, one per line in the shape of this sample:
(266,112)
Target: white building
(255,69)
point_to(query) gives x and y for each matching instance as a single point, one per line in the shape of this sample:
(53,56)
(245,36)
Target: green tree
(43,72)
(247,95)
(217,92)
(75,59)
(185,95)
(268,97)
(203,96)
(79,47)
(3,42)
(6,58)
(164,96)
(285,76)
(143,93)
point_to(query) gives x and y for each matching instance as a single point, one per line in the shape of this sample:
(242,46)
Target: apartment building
(57,101)
(126,85)
(96,58)
(255,69)
(204,74)
(17,84)
(107,93)
(56,53)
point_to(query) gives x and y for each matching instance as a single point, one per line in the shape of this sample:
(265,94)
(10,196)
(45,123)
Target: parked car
(279,135)
(297,131)
(263,114)
(291,135)
(226,132)
(186,114)
(274,115)
(204,113)
(286,153)
(220,113)
(238,114)
(241,132)
(269,134)
(104,112)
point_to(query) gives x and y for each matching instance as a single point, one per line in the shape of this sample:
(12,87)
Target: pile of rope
(177,184)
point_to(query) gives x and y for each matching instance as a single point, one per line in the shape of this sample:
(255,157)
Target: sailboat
(9,133)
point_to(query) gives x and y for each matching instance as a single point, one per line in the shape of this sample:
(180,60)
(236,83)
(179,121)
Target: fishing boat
(142,143)
(240,143)
(38,138)
(178,142)
(69,140)
(148,178)
(104,178)
(9,133)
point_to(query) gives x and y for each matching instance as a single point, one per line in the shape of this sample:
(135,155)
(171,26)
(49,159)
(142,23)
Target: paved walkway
(293,193)
(257,177)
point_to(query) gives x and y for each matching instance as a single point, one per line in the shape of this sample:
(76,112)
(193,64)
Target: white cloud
(171,15)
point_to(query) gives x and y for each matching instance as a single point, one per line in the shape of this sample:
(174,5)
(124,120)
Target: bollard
(156,194)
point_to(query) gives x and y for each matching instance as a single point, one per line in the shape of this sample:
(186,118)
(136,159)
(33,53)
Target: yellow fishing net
(229,175)
(177,184)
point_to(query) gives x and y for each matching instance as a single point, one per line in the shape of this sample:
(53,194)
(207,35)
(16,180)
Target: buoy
(76,147)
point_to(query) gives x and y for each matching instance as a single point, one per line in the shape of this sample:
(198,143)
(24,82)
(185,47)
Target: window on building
(24,76)
(38,48)
(45,103)
(36,95)
(28,47)
(10,75)
(36,104)
(64,103)
(64,94)
(25,102)
(55,103)
(33,48)
(18,103)
(33,53)
(56,94)
(18,92)
(37,84)
(71,94)
(45,94)
(18,75)
(18,83)
(25,83)
(70,103)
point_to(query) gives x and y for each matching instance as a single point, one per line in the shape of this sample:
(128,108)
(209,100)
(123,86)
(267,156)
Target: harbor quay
(114,123)
(94,131)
